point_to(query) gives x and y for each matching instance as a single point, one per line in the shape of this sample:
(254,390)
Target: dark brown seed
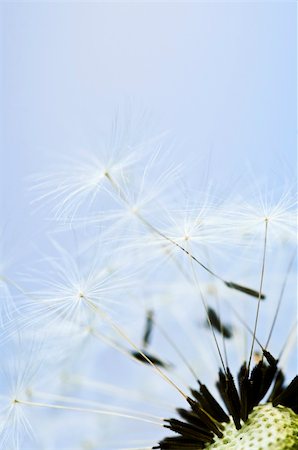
(246,290)
(216,323)
(148,329)
(145,356)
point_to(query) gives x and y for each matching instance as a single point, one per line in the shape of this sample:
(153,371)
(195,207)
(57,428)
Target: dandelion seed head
(266,428)
(142,298)
(247,217)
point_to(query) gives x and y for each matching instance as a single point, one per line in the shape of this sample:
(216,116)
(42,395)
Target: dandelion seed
(207,425)
(88,316)
(148,329)
(218,325)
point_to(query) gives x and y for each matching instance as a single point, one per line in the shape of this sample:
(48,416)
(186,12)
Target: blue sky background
(220,77)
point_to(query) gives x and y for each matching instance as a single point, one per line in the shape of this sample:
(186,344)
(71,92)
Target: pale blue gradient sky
(221,77)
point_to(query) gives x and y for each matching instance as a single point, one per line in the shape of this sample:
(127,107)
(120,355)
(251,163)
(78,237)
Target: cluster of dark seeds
(204,420)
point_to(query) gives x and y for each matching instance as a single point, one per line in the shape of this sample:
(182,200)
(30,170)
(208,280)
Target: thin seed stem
(280,298)
(176,244)
(246,326)
(207,315)
(222,333)
(183,249)
(176,348)
(116,346)
(67,399)
(189,279)
(89,410)
(292,332)
(124,335)
(96,386)
(260,292)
